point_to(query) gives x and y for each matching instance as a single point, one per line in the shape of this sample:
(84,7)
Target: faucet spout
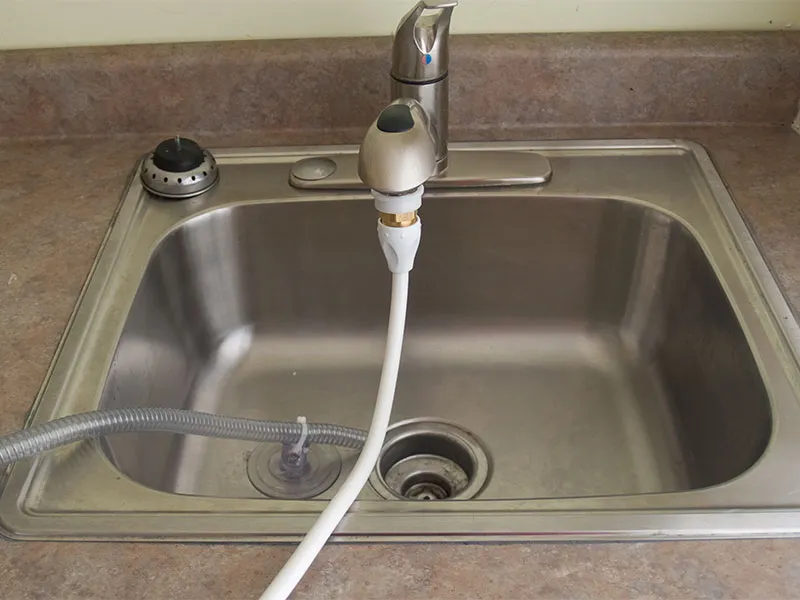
(398,152)
(420,66)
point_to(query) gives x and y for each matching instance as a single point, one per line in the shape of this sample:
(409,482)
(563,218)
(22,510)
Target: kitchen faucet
(419,82)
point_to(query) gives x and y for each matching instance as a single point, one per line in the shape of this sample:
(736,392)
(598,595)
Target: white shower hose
(400,247)
(297,565)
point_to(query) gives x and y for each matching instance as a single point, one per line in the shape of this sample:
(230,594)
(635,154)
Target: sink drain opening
(426,486)
(430,460)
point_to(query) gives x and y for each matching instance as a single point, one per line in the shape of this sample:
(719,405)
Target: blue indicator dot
(428,59)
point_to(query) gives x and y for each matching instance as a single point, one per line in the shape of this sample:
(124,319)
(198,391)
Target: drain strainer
(266,473)
(430,459)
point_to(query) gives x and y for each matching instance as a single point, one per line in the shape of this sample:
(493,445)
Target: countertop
(56,200)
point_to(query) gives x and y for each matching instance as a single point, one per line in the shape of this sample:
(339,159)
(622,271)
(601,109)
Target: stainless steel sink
(612,342)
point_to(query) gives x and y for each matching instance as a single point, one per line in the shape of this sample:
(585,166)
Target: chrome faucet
(420,63)
(412,130)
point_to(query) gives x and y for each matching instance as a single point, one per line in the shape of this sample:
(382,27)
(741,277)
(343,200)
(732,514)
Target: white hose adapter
(399,245)
(399,228)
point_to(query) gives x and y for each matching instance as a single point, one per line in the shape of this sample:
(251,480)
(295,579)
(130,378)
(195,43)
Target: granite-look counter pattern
(56,201)
(305,86)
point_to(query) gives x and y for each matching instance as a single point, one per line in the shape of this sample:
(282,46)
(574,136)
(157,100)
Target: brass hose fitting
(398,220)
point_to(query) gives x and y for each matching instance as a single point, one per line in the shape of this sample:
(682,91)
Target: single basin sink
(605,356)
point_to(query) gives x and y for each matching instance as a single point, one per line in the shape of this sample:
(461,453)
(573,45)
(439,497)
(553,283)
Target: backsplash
(338,85)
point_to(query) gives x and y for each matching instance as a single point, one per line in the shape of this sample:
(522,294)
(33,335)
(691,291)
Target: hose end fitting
(398,220)
(399,227)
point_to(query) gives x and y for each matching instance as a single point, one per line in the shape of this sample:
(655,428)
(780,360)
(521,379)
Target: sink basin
(611,343)
(587,342)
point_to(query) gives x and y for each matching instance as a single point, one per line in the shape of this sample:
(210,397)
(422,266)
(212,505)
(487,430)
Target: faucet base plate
(467,169)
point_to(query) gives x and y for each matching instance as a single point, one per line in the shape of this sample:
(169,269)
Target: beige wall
(43,23)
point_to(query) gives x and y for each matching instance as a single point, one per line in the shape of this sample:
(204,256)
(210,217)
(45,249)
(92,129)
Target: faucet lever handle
(420,52)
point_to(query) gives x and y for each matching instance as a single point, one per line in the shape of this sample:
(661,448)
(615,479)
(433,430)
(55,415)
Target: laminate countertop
(56,201)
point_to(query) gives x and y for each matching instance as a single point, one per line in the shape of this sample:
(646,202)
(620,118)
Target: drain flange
(430,459)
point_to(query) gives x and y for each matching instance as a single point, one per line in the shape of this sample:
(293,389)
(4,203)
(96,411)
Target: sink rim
(644,516)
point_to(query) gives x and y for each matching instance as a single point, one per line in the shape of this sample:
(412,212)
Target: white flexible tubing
(297,565)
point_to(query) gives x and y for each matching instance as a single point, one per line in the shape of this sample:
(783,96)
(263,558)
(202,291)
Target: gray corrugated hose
(40,438)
